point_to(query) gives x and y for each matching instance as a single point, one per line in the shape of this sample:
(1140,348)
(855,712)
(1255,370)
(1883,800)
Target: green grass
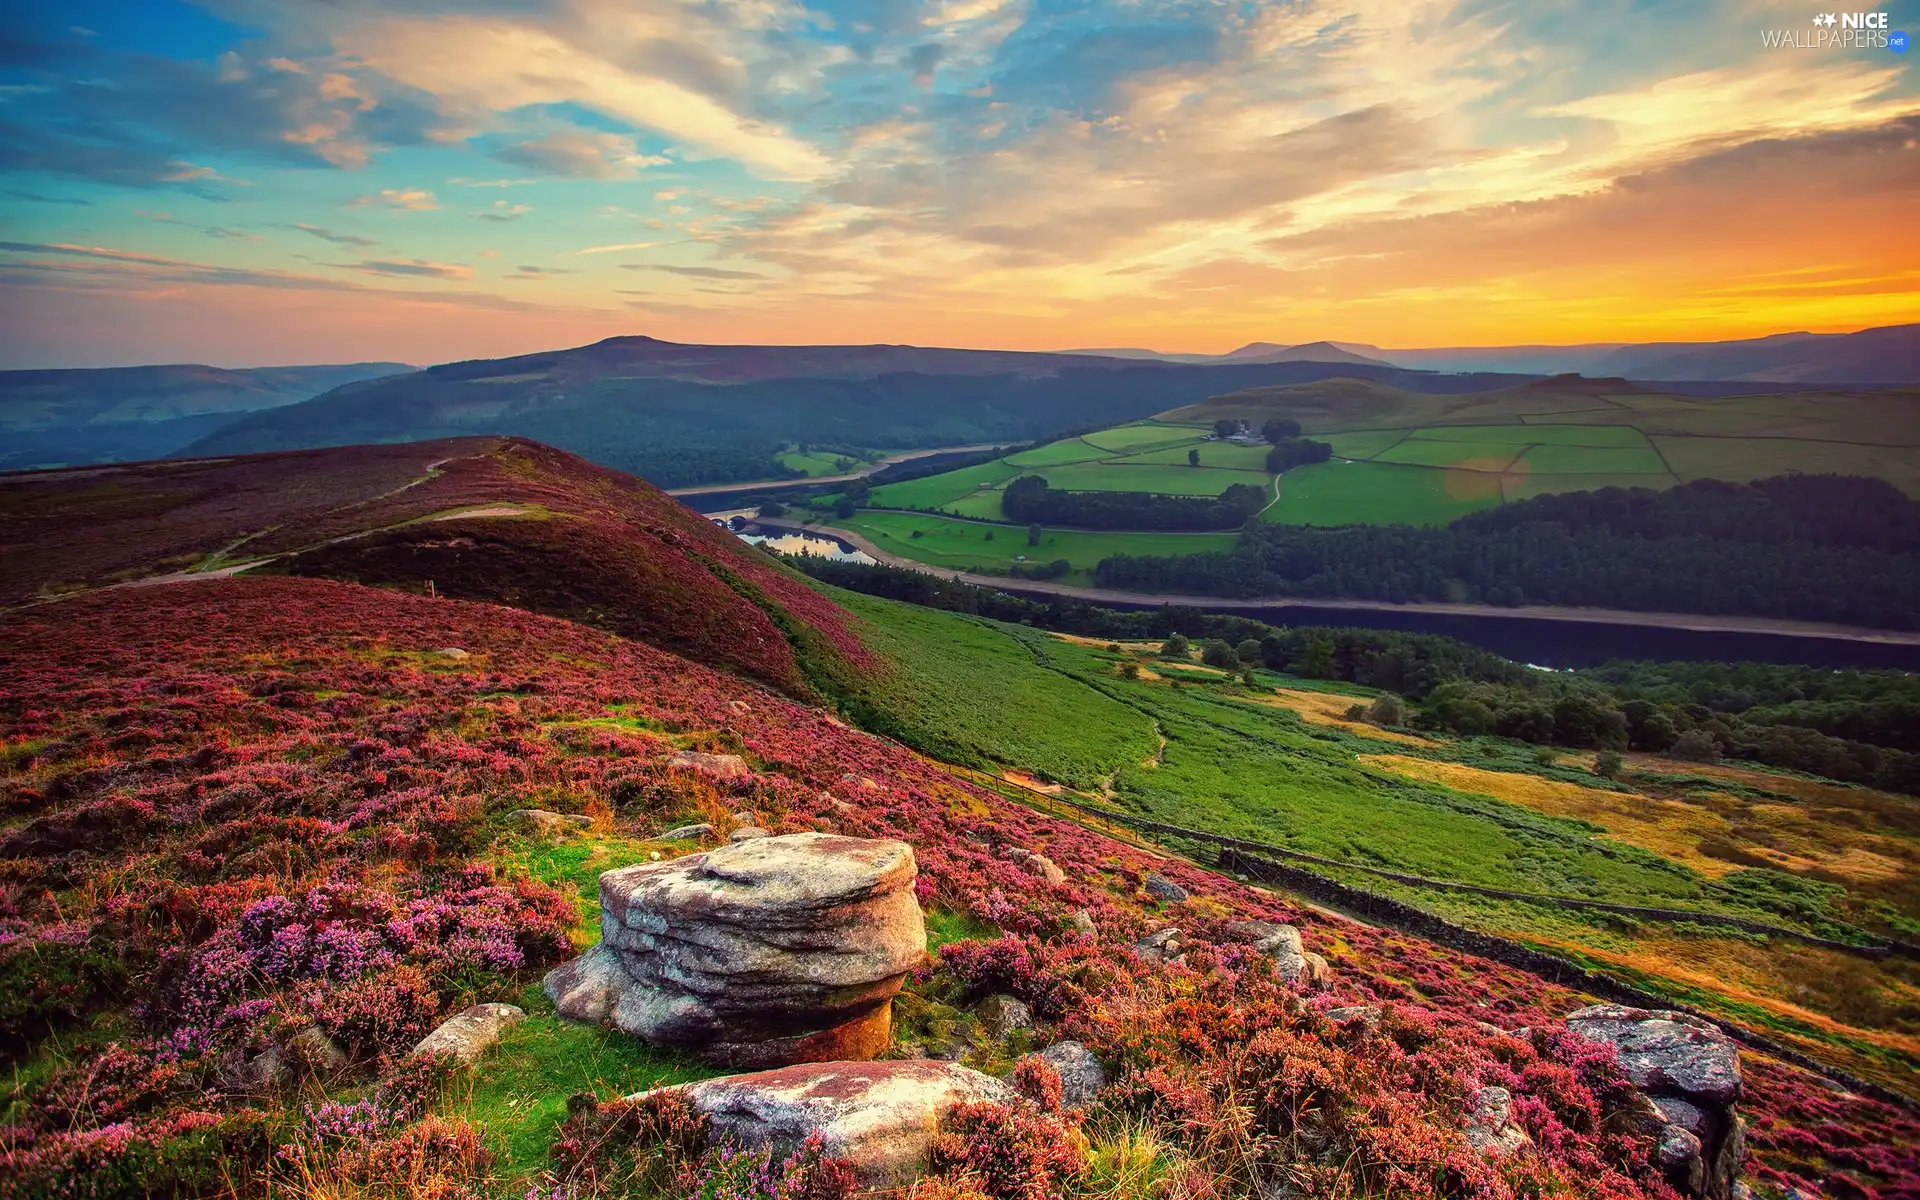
(1140,436)
(1473,456)
(935,490)
(520,1089)
(1167,479)
(1337,493)
(963,546)
(1226,455)
(1362,443)
(814,465)
(1589,460)
(1530,435)
(1070,451)
(972,691)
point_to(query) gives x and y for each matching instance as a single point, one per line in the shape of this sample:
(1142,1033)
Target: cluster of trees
(1822,548)
(1696,711)
(1288,453)
(1029,499)
(940,464)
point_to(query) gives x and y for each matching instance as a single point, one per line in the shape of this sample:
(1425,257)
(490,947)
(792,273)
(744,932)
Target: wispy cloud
(419,267)
(502,211)
(620,246)
(580,154)
(338,239)
(400,199)
(694,272)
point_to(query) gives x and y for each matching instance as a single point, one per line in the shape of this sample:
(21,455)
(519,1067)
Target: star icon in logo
(1825,19)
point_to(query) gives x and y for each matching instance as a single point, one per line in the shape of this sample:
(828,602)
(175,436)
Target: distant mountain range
(1888,356)
(680,415)
(124,413)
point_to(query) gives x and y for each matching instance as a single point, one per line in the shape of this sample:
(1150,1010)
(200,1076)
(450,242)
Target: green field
(1224,455)
(1472,456)
(1140,436)
(1070,451)
(1167,479)
(1591,460)
(965,546)
(1531,435)
(1363,493)
(1362,443)
(936,490)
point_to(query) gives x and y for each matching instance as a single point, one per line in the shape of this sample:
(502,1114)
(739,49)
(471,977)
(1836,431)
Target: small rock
(452,654)
(541,820)
(1665,1053)
(1366,1014)
(1680,1160)
(1161,888)
(1490,1128)
(1083,922)
(747,833)
(687,833)
(1000,1015)
(745,818)
(319,1052)
(262,1072)
(739,706)
(1081,1075)
(720,766)
(468,1034)
(880,1116)
(1044,867)
(1160,939)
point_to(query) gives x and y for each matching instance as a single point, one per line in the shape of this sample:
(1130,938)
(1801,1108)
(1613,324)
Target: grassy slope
(1236,763)
(963,545)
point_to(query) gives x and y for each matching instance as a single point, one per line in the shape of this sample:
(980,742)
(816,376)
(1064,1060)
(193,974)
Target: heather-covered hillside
(478,518)
(261,813)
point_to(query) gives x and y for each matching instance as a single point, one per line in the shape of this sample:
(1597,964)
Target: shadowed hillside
(481,518)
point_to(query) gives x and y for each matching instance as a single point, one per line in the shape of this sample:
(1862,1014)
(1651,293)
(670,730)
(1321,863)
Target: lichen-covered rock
(747,833)
(881,1116)
(1161,888)
(471,1032)
(541,820)
(770,951)
(1490,1128)
(1690,1071)
(687,833)
(1000,1015)
(720,766)
(1081,1076)
(1293,964)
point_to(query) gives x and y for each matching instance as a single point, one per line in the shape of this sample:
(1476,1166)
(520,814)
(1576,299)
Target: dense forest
(1029,499)
(1812,547)
(1291,452)
(1842,725)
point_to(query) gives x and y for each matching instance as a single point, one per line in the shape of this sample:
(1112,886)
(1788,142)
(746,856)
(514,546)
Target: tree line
(1029,499)
(1821,548)
(1696,711)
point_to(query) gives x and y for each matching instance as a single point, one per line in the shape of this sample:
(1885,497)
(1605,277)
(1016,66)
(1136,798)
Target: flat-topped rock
(768,951)
(881,1116)
(471,1032)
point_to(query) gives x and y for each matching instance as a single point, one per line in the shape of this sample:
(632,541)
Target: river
(1555,638)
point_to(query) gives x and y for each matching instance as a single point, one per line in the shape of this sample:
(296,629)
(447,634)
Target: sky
(254,182)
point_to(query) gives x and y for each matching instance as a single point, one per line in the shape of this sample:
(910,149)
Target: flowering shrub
(1012,1152)
(294,800)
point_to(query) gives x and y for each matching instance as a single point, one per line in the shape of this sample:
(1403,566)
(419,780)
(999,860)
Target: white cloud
(403,199)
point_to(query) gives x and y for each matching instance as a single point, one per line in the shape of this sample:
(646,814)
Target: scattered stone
(771,951)
(720,766)
(687,833)
(1045,868)
(1083,922)
(1690,1071)
(1490,1128)
(470,1033)
(1160,939)
(452,654)
(1000,1015)
(1161,888)
(739,706)
(1081,1075)
(541,820)
(747,833)
(1293,964)
(745,818)
(881,1116)
(262,1072)
(1366,1014)
(319,1052)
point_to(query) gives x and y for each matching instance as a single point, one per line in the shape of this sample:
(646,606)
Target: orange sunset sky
(267,181)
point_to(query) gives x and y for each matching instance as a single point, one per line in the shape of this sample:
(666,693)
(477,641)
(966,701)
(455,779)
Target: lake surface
(741,523)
